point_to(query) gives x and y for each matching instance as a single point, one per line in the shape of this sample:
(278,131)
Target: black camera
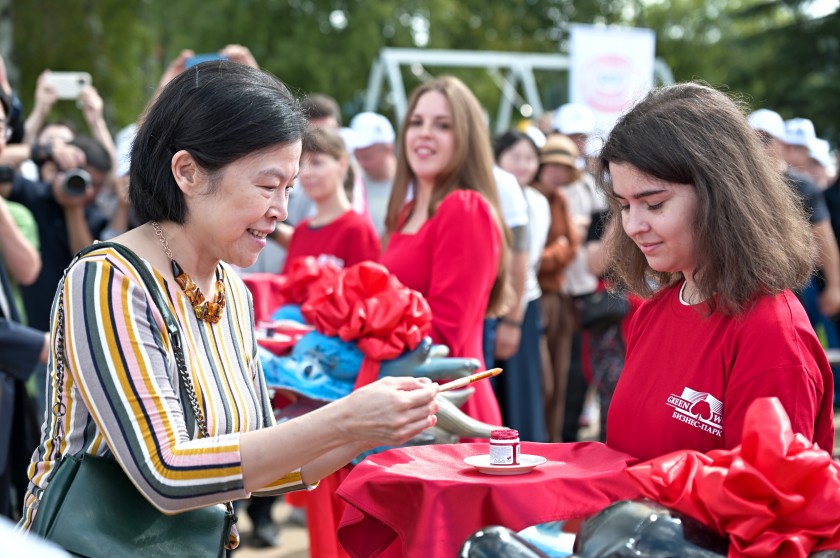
(7,174)
(76,182)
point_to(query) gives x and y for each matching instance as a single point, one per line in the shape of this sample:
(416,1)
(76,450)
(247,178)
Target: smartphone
(68,85)
(199,58)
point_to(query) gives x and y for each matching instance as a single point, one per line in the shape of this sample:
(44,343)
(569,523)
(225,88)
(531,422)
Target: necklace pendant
(200,311)
(213,312)
(194,293)
(210,312)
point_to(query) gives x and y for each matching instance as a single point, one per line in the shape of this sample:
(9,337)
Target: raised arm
(92,108)
(45,98)
(22,259)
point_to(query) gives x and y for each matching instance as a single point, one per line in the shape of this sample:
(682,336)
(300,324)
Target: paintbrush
(464,382)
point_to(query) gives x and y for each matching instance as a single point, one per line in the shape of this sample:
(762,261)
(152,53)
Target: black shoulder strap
(172,327)
(148,280)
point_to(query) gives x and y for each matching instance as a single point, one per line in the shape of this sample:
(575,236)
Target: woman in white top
(520,389)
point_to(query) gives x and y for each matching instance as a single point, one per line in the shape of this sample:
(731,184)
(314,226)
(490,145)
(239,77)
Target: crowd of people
(661,265)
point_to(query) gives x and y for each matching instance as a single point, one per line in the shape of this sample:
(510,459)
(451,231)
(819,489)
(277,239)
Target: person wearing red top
(449,243)
(715,240)
(335,231)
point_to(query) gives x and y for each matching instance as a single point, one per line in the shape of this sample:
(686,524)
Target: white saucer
(526,464)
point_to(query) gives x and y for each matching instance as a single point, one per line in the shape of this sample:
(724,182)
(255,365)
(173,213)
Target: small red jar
(504,447)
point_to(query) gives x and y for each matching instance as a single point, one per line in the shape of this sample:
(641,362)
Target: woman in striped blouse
(211,168)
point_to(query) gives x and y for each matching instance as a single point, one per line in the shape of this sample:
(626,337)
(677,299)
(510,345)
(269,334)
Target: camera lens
(76,182)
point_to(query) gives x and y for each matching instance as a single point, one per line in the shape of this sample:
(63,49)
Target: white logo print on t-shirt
(698,409)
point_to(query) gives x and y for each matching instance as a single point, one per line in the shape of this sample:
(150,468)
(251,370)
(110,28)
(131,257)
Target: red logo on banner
(606,87)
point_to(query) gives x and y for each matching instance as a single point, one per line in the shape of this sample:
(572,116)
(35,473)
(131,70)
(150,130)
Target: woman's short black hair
(219,112)
(6,103)
(510,138)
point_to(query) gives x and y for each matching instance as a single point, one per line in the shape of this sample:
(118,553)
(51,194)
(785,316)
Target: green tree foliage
(773,53)
(770,50)
(110,40)
(797,70)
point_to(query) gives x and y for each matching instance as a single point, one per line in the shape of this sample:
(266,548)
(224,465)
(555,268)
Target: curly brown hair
(751,236)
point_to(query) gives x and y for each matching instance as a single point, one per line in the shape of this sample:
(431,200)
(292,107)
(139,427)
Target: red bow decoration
(777,494)
(365,303)
(304,274)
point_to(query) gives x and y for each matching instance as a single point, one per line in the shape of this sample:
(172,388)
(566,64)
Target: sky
(820,8)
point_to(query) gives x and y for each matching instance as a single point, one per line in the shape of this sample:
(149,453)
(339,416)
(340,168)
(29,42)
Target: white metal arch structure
(519,68)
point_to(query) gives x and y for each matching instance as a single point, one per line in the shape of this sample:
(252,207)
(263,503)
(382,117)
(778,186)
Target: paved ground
(294,540)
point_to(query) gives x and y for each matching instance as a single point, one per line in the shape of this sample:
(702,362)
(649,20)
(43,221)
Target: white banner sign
(611,69)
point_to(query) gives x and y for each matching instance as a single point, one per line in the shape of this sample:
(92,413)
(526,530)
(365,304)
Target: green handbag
(91,508)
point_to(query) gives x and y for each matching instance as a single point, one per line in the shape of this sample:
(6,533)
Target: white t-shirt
(378,194)
(584,200)
(514,208)
(539,221)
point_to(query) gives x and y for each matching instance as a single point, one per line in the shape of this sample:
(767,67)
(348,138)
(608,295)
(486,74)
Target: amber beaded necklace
(210,312)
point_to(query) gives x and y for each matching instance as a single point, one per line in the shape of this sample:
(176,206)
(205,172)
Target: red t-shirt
(453,261)
(350,239)
(688,379)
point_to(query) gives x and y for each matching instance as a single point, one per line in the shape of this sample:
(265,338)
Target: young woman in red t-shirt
(335,232)
(715,240)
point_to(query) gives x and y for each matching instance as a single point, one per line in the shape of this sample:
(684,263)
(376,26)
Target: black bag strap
(149,281)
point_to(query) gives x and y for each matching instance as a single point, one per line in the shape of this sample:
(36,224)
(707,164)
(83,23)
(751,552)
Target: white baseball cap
(123,142)
(348,137)
(820,151)
(800,131)
(536,135)
(370,128)
(574,118)
(769,121)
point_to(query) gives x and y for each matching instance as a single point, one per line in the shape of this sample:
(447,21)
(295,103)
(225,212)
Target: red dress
(350,239)
(453,260)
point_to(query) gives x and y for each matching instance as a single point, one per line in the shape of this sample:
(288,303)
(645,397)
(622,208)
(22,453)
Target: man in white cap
(577,121)
(373,143)
(799,133)
(819,168)
(774,134)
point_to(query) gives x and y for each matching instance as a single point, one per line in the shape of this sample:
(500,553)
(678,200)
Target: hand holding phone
(68,85)
(199,58)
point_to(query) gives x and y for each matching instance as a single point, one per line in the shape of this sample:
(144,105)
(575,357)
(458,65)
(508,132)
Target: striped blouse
(121,388)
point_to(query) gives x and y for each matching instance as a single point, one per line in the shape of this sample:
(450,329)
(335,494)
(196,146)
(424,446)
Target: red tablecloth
(428,501)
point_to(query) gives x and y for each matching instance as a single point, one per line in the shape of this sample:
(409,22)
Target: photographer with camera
(66,215)
(45,147)
(21,348)
(67,219)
